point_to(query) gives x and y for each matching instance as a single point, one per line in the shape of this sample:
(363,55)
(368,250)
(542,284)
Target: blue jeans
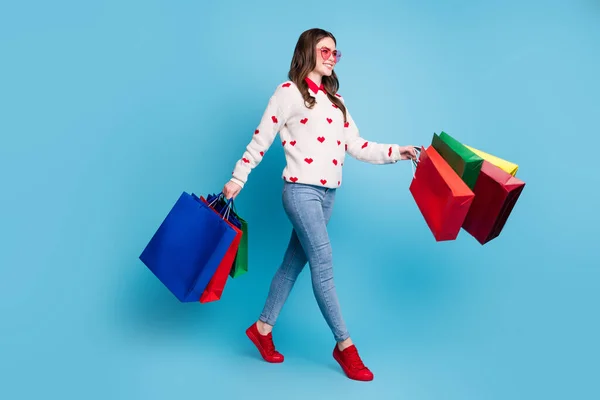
(309,209)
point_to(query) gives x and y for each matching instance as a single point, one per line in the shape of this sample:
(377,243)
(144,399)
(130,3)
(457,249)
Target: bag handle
(415,163)
(228,205)
(222,195)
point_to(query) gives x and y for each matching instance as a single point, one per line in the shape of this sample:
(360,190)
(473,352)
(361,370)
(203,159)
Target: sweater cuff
(396,153)
(237,181)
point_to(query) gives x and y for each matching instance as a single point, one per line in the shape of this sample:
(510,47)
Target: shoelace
(268,345)
(354,359)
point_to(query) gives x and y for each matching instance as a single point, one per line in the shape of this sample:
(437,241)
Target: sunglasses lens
(326,53)
(338,55)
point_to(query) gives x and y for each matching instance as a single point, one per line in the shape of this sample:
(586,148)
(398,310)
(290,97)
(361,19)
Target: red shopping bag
(441,195)
(216,285)
(496,193)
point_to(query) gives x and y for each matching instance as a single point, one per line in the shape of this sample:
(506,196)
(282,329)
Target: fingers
(412,152)
(226,192)
(408,153)
(230,192)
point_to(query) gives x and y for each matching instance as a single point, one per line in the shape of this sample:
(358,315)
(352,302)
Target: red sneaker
(264,344)
(351,363)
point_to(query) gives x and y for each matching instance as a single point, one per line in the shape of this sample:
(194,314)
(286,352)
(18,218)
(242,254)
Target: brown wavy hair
(304,61)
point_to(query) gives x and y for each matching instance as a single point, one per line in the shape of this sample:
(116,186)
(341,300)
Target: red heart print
(323,181)
(293,179)
(286,84)
(293,142)
(346,147)
(334,105)
(321,139)
(346,124)
(365,145)
(308,160)
(304,120)
(256,132)
(262,153)
(329,120)
(274,118)
(245,160)
(339,142)
(335,162)
(390,152)
(283,143)
(338,95)
(338,183)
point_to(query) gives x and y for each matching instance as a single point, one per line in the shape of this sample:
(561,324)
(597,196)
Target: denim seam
(337,328)
(269,317)
(277,293)
(339,334)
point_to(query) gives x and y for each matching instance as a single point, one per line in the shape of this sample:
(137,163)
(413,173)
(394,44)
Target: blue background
(110,109)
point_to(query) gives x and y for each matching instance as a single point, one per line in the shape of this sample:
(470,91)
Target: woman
(316,132)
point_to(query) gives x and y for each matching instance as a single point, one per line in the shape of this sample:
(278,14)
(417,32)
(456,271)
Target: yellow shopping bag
(507,166)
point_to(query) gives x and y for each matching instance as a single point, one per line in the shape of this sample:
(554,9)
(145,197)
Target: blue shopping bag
(227,208)
(187,248)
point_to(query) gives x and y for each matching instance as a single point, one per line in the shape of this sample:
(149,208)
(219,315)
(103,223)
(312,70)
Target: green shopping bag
(463,161)
(240,263)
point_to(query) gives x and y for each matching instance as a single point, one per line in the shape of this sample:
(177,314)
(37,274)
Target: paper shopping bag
(216,286)
(507,166)
(496,193)
(222,205)
(187,248)
(463,161)
(240,263)
(440,194)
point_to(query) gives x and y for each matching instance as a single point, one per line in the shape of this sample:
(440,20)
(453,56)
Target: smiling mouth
(328,65)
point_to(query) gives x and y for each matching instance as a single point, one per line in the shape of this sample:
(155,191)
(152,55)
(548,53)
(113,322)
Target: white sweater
(315,141)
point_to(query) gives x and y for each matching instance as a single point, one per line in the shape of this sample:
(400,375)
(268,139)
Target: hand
(231,189)
(408,153)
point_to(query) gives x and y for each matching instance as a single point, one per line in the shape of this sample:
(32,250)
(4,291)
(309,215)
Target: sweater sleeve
(271,122)
(365,150)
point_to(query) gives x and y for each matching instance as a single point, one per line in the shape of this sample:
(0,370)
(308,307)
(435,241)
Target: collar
(313,86)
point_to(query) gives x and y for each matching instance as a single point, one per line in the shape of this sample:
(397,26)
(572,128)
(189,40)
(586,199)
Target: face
(326,56)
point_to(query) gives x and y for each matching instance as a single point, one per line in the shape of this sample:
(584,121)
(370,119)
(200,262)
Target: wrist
(237,181)
(398,152)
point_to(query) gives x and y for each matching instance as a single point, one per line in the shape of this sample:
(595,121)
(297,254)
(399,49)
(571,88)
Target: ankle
(263,328)
(344,344)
